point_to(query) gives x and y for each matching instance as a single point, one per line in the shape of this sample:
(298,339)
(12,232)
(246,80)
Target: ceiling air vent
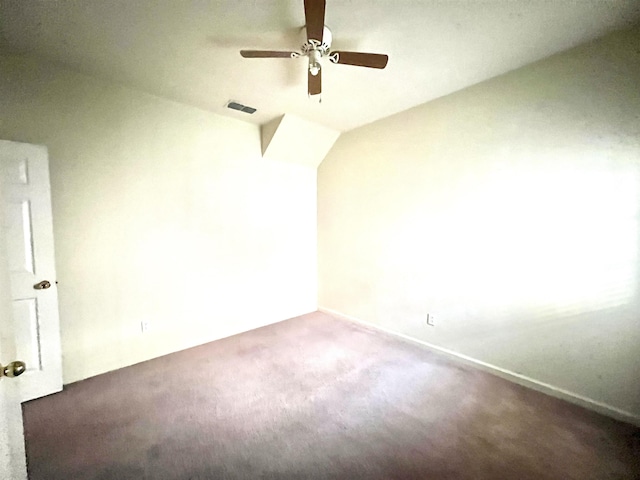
(240,107)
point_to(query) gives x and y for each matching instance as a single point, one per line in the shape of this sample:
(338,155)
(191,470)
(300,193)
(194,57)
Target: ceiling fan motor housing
(308,46)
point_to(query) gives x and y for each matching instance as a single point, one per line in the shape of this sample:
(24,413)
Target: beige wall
(510,211)
(163,213)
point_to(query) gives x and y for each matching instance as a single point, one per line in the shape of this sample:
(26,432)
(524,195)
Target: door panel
(25,313)
(28,230)
(19,237)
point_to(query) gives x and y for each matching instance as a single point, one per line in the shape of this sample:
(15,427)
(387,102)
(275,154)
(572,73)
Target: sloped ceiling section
(294,139)
(188,51)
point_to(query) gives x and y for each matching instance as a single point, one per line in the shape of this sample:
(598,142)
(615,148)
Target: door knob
(14,369)
(42,285)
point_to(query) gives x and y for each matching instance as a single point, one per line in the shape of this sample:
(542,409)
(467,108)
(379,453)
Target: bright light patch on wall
(552,240)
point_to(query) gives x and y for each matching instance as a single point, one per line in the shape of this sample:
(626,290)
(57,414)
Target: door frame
(12,438)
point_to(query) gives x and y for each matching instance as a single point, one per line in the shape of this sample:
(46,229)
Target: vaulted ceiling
(188,50)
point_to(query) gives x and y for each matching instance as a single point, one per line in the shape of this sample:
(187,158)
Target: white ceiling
(188,50)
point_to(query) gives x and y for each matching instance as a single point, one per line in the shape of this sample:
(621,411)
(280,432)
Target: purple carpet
(317,398)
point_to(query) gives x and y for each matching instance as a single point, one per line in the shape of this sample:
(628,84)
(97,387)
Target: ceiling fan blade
(268,54)
(315,83)
(314,16)
(359,59)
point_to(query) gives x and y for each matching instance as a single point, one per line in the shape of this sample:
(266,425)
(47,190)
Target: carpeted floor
(315,397)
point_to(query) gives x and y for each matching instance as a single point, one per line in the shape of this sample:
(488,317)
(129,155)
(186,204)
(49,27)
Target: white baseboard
(523,380)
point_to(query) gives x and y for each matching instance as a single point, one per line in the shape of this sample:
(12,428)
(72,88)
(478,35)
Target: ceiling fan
(316,45)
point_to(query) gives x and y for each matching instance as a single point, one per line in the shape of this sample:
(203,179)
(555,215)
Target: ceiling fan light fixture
(314,68)
(314,62)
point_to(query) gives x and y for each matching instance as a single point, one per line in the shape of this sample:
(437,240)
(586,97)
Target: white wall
(162,212)
(510,211)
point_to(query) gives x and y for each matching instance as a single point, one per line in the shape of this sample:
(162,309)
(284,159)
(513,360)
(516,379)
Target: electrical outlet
(431,320)
(144,326)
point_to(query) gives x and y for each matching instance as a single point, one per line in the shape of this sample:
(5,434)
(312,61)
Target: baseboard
(514,377)
(118,364)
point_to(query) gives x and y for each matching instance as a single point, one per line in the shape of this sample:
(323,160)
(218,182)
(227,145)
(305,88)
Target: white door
(12,455)
(28,232)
